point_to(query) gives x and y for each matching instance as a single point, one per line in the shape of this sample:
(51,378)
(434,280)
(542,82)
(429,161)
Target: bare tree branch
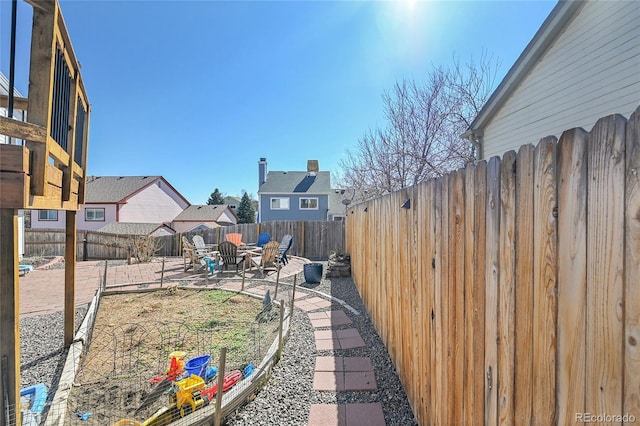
(424,122)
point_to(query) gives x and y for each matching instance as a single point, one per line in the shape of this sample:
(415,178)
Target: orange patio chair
(235,238)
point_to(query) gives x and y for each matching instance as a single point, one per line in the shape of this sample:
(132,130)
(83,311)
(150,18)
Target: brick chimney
(312,167)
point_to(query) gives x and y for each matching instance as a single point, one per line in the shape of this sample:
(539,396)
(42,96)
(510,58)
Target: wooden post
(162,273)
(277,280)
(69,277)
(280,328)
(243,269)
(302,252)
(293,296)
(104,276)
(10,317)
(223,360)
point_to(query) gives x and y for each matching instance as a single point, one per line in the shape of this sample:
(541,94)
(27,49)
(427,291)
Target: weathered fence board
(506,290)
(605,257)
(437,339)
(469,302)
(313,240)
(478,285)
(456,293)
(572,270)
(523,273)
(524,287)
(544,278)
(423,300)
(491,291)
(632,269)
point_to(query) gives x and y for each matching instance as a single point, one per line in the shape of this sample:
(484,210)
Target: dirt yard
(134,334)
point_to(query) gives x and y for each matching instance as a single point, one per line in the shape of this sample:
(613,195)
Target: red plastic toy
(230,379)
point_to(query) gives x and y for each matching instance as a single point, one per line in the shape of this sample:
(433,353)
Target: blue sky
(198,91)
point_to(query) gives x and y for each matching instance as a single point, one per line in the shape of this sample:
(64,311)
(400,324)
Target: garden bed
(134,334)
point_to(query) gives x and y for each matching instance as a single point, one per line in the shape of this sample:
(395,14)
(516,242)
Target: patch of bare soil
(135,333)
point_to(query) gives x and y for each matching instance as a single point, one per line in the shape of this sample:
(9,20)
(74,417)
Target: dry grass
(134,334)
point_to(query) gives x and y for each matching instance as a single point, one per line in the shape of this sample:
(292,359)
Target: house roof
(563,12)
(4,86)
(116,189)
(296,182)
(128,228)
(203,213)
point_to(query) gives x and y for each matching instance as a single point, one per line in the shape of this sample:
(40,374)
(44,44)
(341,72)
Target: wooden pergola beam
(48,6)
(22,130)
(18,103)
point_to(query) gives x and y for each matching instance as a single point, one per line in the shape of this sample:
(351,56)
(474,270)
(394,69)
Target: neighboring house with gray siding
(581,65)
(296,195)
(127,199)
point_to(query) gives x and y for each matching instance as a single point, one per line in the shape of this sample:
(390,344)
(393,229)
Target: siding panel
(591,70)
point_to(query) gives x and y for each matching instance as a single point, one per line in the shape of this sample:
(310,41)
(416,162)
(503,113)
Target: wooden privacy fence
(89,244)
(509,292)
(313,240)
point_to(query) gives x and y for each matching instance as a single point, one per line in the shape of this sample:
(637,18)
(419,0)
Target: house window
(280,203)
(94,215)
(48,215)
(338,218)
(309,203)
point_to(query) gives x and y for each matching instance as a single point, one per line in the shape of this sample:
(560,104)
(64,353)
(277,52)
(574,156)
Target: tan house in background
(204,216)
(123,199)
(582,64)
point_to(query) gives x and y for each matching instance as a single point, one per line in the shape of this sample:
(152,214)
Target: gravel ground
(287,397)
(42,352)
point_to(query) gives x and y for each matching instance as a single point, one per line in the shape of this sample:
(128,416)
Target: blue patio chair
(263,239)
(285,245)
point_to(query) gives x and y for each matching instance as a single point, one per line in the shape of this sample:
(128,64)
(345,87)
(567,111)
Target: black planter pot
(312,273)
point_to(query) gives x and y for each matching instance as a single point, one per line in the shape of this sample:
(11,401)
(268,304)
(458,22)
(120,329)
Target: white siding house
(582,64)
(18,115)
(126,199)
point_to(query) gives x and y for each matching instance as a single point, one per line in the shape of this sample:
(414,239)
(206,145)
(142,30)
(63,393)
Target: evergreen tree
(215,198)
(246,212)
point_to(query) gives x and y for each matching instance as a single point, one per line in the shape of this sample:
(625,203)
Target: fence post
(302,251)
(223,360)
(84,247)
(243,269)
(280,328)
(162,273)
(104,276)
(277,280)
(293,295)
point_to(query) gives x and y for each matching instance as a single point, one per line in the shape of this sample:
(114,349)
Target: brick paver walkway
(332,373)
